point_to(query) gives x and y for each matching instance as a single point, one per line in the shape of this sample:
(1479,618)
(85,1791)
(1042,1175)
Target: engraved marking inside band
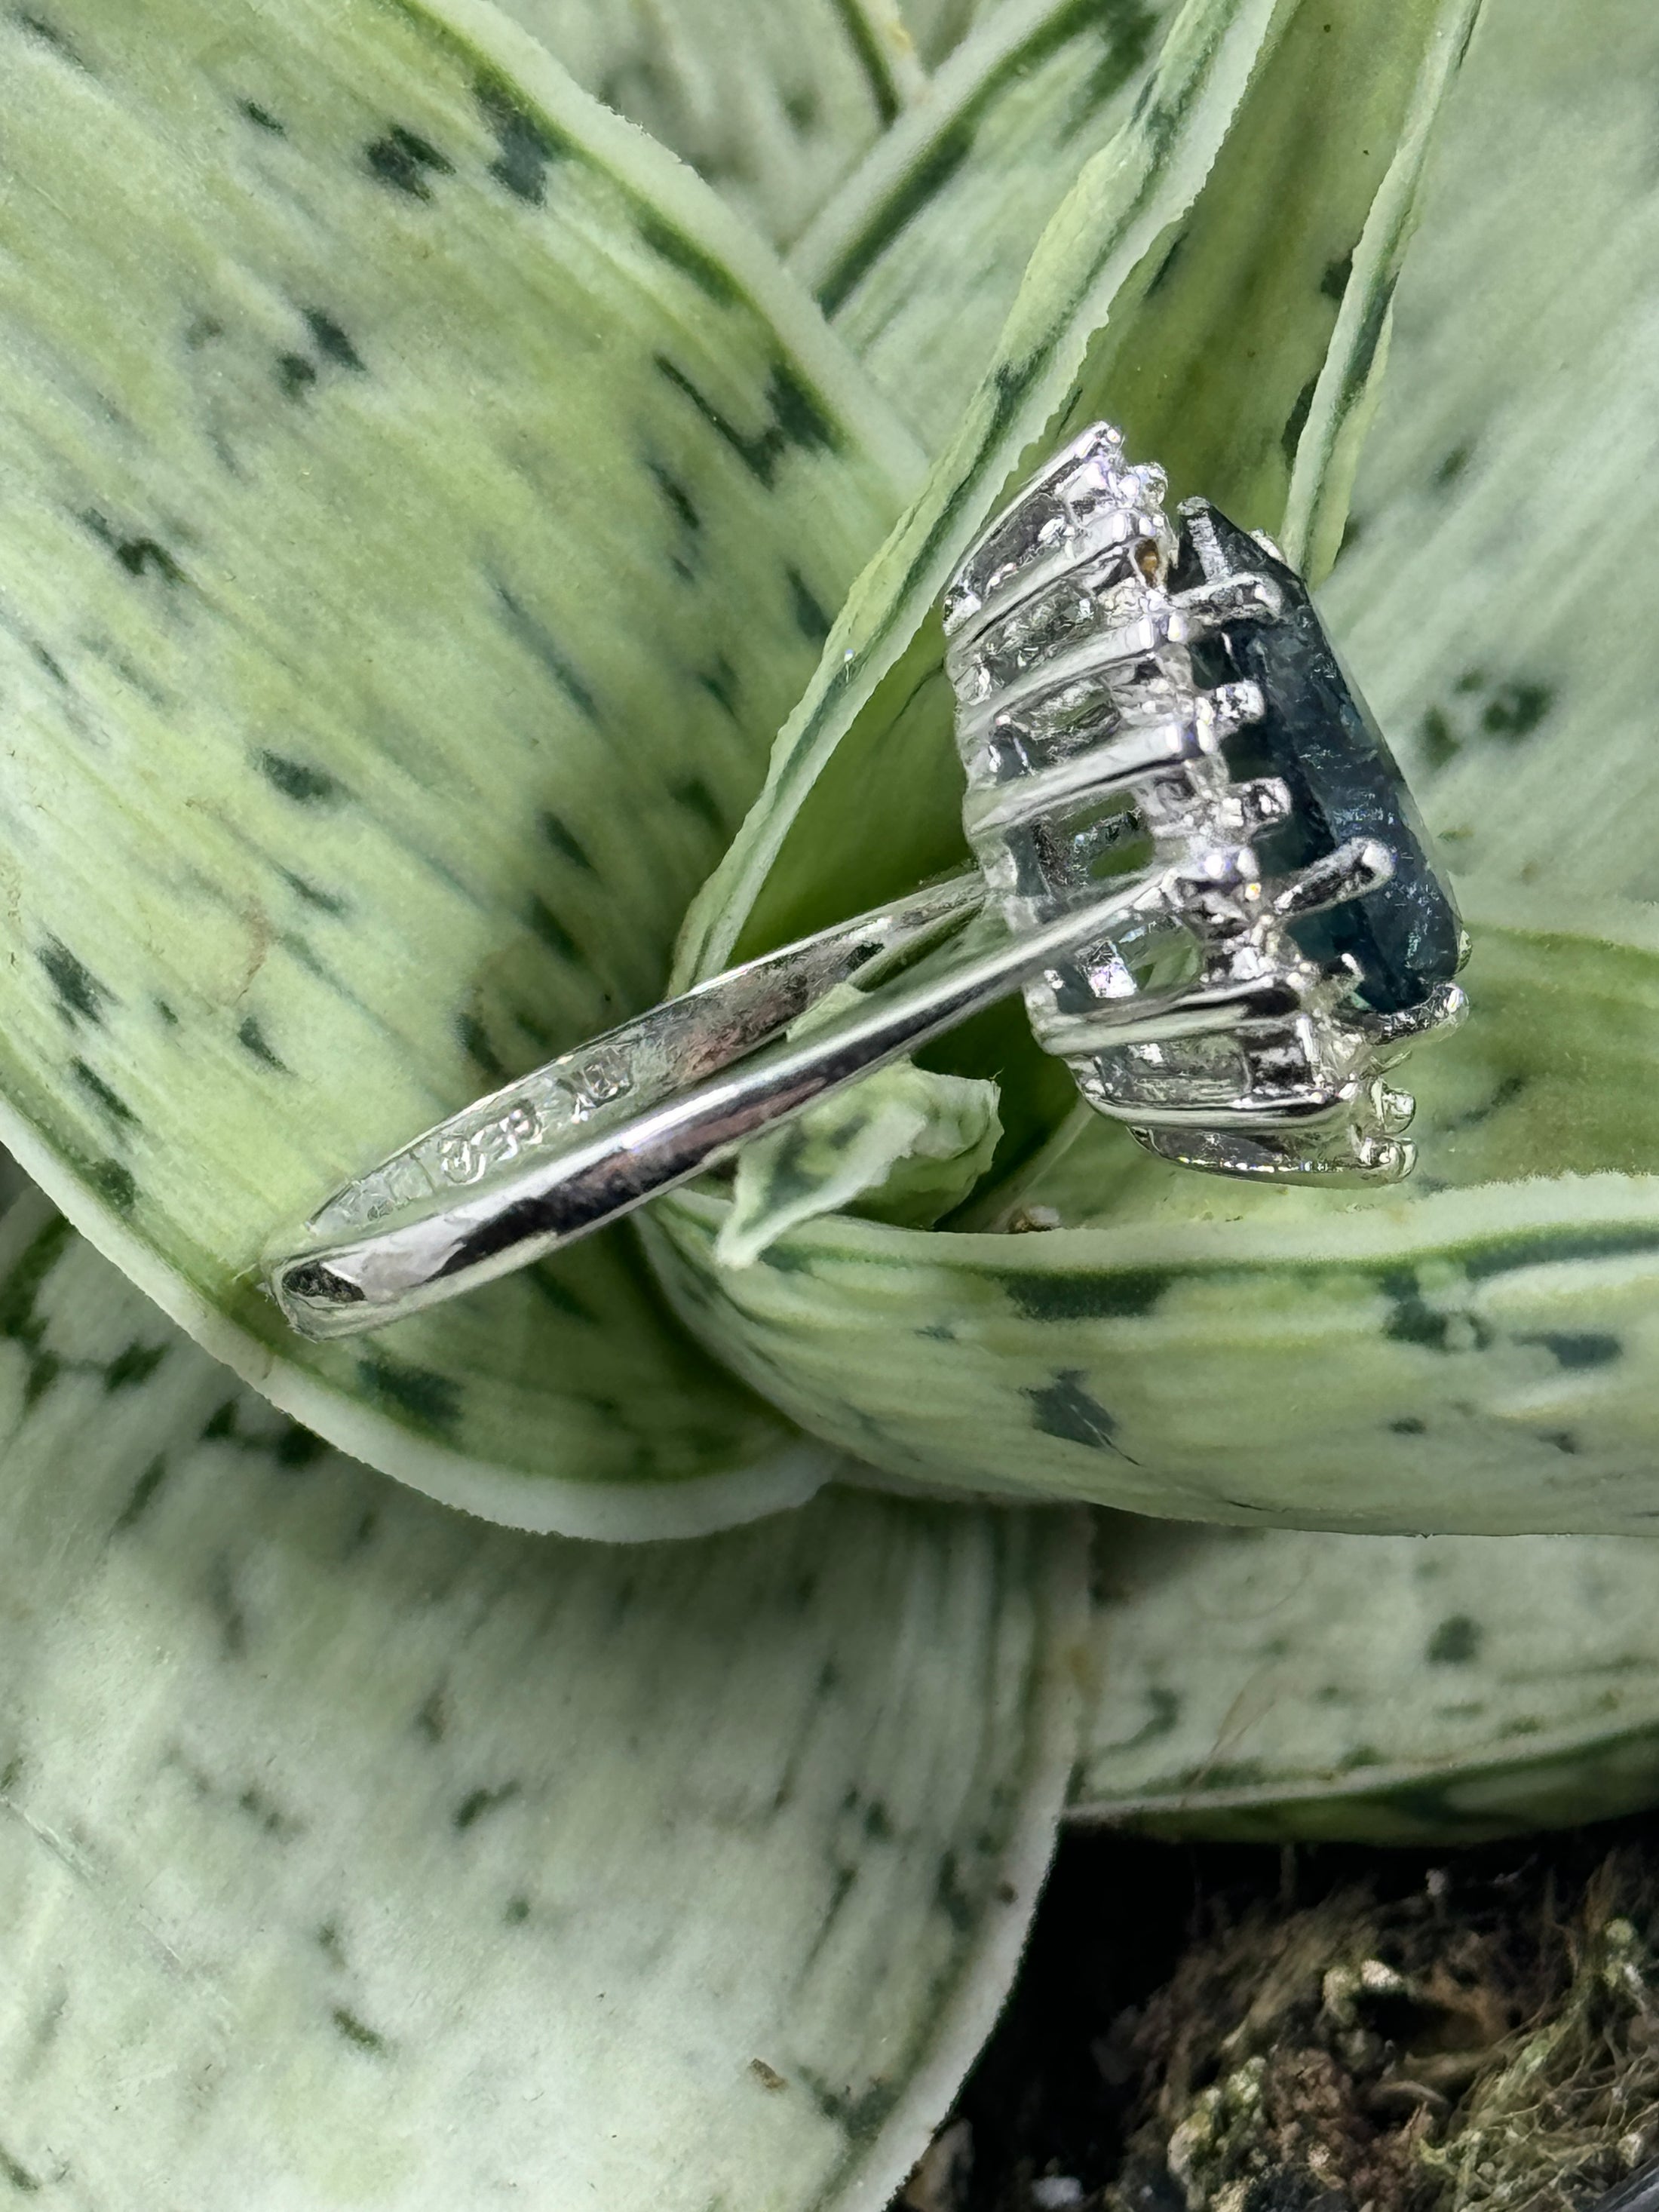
(468,1149)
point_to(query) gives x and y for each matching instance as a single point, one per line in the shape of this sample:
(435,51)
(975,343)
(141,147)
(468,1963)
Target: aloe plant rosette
(461,571)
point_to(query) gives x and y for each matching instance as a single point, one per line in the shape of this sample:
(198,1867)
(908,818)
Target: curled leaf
(904,1145)
(1262,1683)
(772,105)
(1494,640)
(917,259)
(357,1854)
(424,501)
(1473,1351)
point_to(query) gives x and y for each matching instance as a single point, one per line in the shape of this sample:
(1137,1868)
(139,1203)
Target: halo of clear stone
(1086,740)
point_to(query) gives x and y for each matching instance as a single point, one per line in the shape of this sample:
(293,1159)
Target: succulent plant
(462,572)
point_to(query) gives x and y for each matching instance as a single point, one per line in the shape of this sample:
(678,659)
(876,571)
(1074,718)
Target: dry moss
(1494,2049)
(1220,2028)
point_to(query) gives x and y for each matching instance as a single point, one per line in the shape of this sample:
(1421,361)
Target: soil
(1230,2029)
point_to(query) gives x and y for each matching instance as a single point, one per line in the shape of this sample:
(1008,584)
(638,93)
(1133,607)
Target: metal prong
(1271,547)
(1096,656)
(1310,1106)
(1233,706)
(1264,800)
(1208,1010)
(1095,542)
(1259,1156)
(1445,1009)
(1465,947)
(1224,600)
(1362,865)
(1109,767)
(1395,1111)
(1383,1160)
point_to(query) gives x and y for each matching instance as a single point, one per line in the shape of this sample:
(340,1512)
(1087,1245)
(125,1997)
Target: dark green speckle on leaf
(426,1400)
(141,1495)
(474,1805)
(20,1292)
(13,2171)
(332,343)
(133,1366)
(308,786)
(114,1184)
(1455,1642)
(924,181)
(407,162)
(474,1039)
(108,1101)
(138,555)
(295,374)
(1588,1348)
(551,931)
(1297,421)
(719,681)
(540,643)
(1123,1295)
(1452,465)
(1515,710)
(297,1447)
(358,2033)
(1166,268)
(527,145)
(564,840)
(812,619)
(1064,1408)
(800,413)
(695,797)
(672,245)
(81,996)
(321,901)
(252,1039)
(798,420)
(674,493)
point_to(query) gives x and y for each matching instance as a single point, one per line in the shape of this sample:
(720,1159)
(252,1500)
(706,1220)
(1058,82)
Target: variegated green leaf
(1508,502)
(918,258)
(354,1855)
(1259,1684)
(422,503)
(1475,1350)
(1161,296)
(773,105)
(903,1145)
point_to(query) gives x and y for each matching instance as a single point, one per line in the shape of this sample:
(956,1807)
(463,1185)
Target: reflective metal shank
(358,1269)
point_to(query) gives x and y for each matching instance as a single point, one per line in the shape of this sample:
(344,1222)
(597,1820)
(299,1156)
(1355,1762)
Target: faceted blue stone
(1319,735)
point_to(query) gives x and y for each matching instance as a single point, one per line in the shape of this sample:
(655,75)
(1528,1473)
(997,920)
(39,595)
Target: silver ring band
(588,1137)
(1112,674)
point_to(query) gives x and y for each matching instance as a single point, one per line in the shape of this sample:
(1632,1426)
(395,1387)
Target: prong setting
(1094,746)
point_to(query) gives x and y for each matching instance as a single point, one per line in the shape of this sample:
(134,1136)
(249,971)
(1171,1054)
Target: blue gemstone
(1319,735)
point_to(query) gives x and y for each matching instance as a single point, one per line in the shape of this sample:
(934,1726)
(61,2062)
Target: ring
(1225,912)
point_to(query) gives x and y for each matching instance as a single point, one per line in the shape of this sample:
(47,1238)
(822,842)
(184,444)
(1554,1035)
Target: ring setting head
(1143,694)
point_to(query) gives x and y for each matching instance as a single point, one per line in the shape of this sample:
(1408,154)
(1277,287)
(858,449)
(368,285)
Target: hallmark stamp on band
(468,1151)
